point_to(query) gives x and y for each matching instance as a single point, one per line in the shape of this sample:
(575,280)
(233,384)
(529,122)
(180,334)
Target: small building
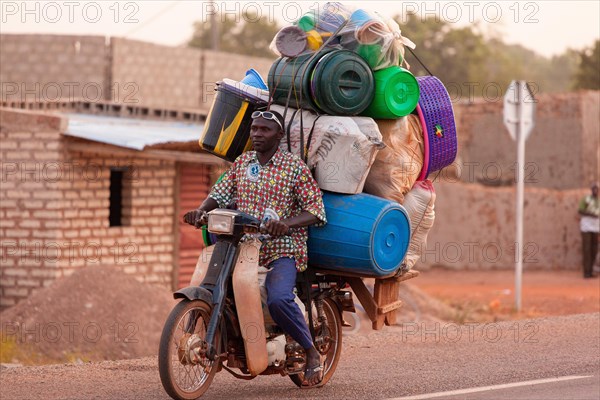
(86,185)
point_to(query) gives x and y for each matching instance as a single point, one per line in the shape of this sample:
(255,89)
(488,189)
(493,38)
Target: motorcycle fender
(246,292)
(194,293)
(202,266)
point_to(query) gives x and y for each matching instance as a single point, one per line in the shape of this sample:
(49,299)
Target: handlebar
(243,223)
(263,236)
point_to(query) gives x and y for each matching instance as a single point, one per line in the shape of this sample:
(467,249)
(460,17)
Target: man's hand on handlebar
(276,228)
(197,217)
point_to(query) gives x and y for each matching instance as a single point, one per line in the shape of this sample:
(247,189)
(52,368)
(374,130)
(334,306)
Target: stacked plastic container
(343,63)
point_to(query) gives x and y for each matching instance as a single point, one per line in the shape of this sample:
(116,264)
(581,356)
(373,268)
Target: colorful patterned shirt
(284,185)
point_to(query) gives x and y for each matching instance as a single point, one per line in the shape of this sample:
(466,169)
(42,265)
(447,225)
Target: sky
(547,27)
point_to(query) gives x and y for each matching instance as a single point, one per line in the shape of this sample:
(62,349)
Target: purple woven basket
(435,112)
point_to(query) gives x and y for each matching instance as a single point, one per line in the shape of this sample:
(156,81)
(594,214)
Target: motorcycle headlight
(220,222)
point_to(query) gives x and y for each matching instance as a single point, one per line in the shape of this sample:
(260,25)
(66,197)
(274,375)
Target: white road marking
(494,387)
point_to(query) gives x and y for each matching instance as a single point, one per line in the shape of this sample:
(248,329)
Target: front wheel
(183,376)
(332,348)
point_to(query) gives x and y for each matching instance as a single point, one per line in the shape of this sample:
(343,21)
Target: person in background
(589,209)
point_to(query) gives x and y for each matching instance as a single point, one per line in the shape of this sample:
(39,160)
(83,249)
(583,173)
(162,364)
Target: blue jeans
(280,283)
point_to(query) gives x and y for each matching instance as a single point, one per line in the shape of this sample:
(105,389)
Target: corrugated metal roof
(129,132)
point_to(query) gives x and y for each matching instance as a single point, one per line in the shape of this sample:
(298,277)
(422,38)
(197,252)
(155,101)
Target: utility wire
(159,14)
(419,60)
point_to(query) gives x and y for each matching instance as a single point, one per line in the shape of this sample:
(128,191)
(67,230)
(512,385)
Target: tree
(428,34)
(466,60)
(246,34)
(588,73)
(457,57)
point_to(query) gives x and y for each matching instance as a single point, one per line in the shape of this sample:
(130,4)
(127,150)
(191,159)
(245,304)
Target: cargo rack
(381,306)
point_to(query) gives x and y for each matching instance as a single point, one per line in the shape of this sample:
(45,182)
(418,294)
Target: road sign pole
(520,170)
(519,112)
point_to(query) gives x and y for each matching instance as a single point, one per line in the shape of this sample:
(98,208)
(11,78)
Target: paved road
(394,363)
(577,387)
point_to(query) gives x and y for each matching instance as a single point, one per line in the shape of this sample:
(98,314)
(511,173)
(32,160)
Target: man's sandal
(310,373)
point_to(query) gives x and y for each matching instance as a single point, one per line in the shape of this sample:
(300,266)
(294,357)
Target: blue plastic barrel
(364,234)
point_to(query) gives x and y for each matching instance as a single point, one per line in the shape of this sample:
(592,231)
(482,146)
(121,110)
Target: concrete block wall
(474,228)
(561,151)
(31,211)
(53,67)
(590,101)
(153,75)
(218,65)
(95,68)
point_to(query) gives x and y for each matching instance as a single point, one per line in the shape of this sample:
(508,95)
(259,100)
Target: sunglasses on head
(268,115)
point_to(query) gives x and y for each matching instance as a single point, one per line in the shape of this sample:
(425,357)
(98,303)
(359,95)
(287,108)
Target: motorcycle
(220,324)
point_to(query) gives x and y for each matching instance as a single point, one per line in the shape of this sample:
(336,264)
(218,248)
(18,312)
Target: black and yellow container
(227,129)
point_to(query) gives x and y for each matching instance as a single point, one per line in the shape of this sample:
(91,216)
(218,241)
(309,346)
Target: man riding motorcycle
(269,178)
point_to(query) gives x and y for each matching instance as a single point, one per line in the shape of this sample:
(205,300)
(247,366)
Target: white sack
(419,204)
(341,149)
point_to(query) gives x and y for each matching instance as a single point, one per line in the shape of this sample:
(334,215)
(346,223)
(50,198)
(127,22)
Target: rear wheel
(332,348)
(183,373)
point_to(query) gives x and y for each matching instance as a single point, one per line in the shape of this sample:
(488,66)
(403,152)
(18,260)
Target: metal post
(520,170)
(519,112)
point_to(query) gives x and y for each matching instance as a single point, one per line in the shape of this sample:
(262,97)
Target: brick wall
(30,201)
(561,152)
(53,67)
(54,207)
(145,247)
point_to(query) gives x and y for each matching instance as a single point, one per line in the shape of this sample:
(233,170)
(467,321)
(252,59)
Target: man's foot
(313,372)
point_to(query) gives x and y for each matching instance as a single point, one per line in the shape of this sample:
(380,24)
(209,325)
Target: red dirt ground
(107,298)
(97,313)
(490,295)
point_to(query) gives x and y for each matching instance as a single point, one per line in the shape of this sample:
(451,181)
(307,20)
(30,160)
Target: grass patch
(13,351)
